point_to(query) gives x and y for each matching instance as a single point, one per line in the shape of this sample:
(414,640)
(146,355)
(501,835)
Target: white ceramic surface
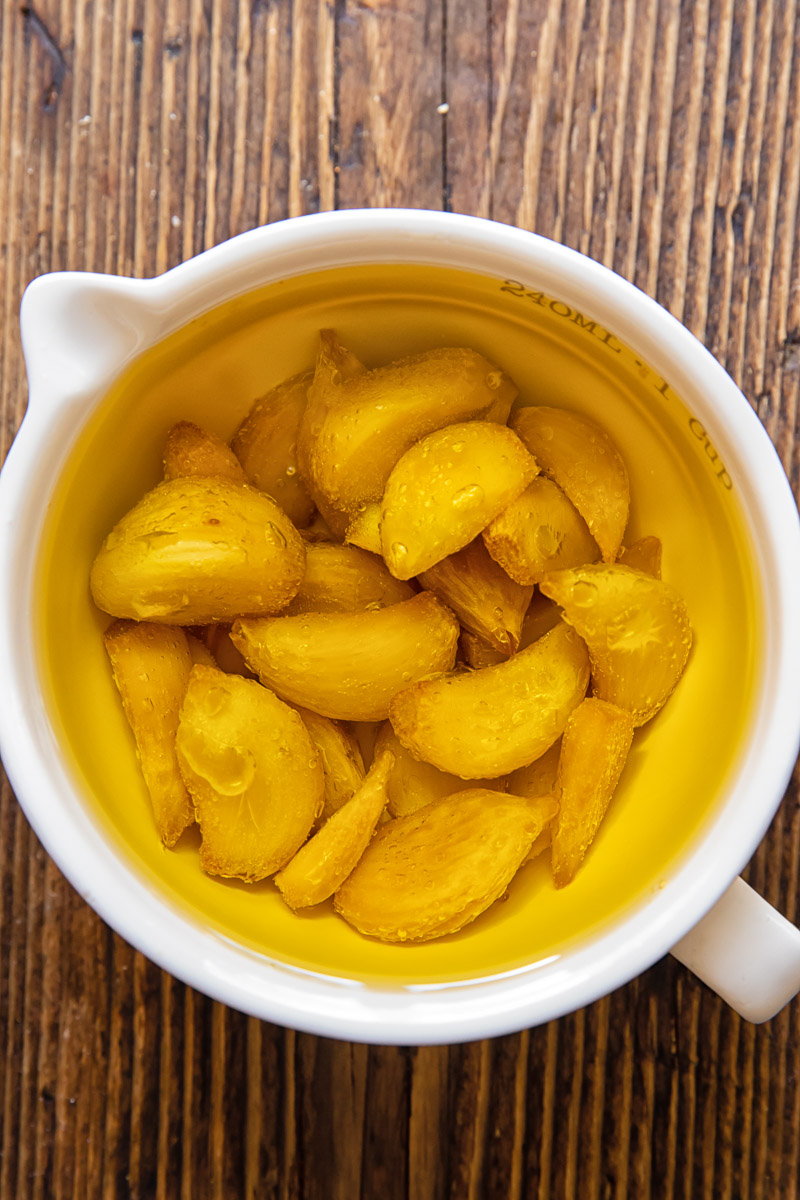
(80,330)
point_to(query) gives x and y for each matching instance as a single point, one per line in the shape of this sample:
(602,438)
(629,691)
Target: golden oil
(210,372)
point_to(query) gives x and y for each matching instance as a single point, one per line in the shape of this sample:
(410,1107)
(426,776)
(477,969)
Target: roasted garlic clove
(486,601)
(197,551)
(538,779)
(582,459)
(637,630)
(335,366)
(266,446)
(446,489)
(432,872)
(362,422)
(412,783)
(345,579)
(340,755)
(151,665)
(540,531)
(325,862)
(253,773)
(364,528)
(191,452)
(594,749)
(349,665)
(483,724)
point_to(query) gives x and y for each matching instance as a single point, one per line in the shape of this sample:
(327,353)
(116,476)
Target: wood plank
(389,139)
(566,1103)
(171,1055)
(659,137)
(590,1134)
(506,1117)
(384,1162)
(331,1136)
(468,94)
(540,1108)
(263,1106)
(468,1103)
(144,1078)
(427,1123)
(665,1151)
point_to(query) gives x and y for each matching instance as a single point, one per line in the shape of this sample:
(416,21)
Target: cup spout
(79,329)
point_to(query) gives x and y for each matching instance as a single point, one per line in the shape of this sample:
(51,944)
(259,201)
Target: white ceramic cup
(79,330)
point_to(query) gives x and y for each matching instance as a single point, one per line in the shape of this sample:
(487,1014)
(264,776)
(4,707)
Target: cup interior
(210,371)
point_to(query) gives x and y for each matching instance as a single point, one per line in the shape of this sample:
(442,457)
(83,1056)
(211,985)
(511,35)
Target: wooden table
(660,138)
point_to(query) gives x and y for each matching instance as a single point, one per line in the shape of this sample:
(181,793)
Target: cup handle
(746,952)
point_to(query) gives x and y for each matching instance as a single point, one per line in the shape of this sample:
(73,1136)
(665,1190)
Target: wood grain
(661,138)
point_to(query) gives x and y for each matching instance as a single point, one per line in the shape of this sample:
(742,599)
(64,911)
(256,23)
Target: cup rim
(311,1001)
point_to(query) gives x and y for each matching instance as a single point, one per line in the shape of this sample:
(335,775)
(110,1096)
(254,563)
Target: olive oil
(210,372)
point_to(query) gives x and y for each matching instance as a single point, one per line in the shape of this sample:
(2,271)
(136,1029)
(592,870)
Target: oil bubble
(230,770)
(273,536)
(148,608)
(468,496)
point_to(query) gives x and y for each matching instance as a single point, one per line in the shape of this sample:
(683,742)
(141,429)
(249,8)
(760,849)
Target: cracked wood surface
(662,138)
